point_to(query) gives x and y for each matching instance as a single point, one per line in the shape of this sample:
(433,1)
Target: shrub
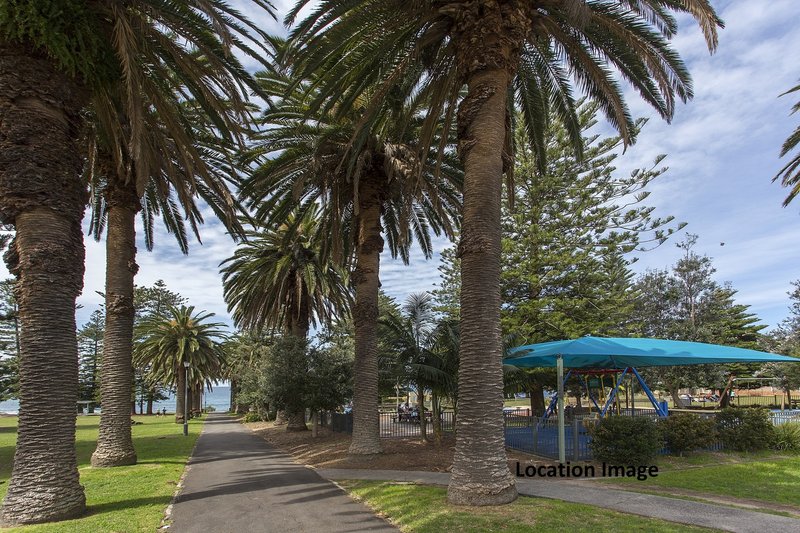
(210,409)
(787,437)
(684,432)
(624,440)
(252,416)
(745,429)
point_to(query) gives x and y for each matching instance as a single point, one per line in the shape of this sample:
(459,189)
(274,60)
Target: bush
(745,429)
(210,409)
(624,440)
(252,416)
(684,432)
(787,437)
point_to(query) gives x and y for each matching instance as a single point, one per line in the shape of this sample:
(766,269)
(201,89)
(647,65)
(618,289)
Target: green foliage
(745,429)
(566,232)
(69,31)
(420,351)
(9,341)
(253,416)
(686,303)
(279,279)
(447,297)
(164,342)
(90,352)
(295,376)
(626,440)
(789,175)
(787,437)
(684,432)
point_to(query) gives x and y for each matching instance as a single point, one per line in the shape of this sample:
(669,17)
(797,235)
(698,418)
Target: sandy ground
(329,450)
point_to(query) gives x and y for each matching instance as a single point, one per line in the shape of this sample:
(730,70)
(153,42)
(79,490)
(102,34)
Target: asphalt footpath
(237,483)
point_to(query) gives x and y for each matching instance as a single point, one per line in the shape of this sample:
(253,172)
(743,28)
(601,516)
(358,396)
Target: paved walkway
(237,483)
(672,509)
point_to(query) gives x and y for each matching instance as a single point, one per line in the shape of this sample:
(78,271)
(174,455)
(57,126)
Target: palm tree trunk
(180,394)
(114,442)
(366,278)
(436,418)
(489,48)
(423,421)
(42,195)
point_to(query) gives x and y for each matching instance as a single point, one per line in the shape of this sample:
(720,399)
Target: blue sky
(722,152)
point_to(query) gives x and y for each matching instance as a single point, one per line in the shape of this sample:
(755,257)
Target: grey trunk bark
(114,442)
(43,197)
(480,474)
(297,421)
(366,278)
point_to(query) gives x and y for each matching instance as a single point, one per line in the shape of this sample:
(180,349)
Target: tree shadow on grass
(122,505)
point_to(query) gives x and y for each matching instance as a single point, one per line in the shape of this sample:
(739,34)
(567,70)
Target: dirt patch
(329,450)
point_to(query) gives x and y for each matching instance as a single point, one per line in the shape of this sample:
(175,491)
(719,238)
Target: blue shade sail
(616,352)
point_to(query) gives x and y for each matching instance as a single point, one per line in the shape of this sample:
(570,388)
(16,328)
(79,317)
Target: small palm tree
(381,190)
(165,342)
(790,174)
(280,280)
(418,344)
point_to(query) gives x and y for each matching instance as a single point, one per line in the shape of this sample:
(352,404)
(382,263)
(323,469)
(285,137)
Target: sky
(722,151)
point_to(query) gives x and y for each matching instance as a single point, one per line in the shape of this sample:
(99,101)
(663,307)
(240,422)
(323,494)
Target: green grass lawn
(418,508)
(121,499)
(764,477)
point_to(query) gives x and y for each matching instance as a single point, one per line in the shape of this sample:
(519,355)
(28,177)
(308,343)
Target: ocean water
(219,398)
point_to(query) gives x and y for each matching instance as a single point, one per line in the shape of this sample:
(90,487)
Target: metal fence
(539,436)
(783,417)
(394,426)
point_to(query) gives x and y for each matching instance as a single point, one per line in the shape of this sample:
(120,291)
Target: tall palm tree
(504,53)
(280,280)
(169,191)
(57,57)
(790,173)
(166,342)
(382,189)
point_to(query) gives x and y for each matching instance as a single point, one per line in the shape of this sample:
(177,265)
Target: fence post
(535,428)
(576,452)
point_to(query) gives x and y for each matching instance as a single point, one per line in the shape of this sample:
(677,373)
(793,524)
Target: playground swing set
(593,381)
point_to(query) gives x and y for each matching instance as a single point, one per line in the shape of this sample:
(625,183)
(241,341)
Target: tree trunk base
(107,458)
(472,495)
(363,449)
(38,505)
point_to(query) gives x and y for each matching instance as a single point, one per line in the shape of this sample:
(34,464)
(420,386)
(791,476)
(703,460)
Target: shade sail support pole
(562,453)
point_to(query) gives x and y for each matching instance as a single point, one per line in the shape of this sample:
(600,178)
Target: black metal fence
(392,425)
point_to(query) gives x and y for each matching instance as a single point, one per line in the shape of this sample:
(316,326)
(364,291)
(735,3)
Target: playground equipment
(624,354)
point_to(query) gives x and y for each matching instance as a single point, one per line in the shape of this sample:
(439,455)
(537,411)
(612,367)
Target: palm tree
(57,57)
(115,202)
(279,280)
(166,342)
(382,189)
(419,345)
(505,53)
(790,173)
